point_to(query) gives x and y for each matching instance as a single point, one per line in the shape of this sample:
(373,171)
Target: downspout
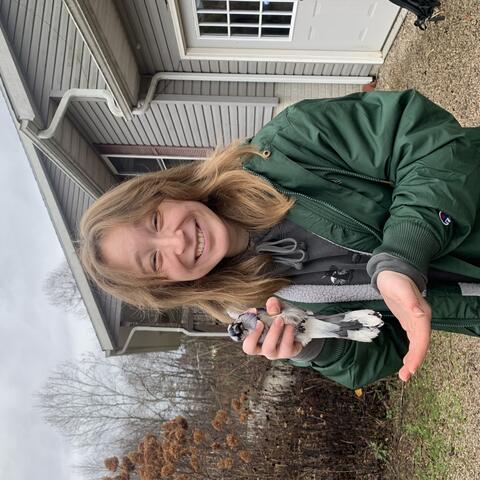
(144,105)
(168,329)
(79,94)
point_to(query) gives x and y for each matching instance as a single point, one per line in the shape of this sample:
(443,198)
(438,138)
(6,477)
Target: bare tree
(62,291)
(96,400)
(301,425)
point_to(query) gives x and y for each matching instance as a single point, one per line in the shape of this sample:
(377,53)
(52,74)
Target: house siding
(116,43)
(289,93)
(78,148)
(53,56)
(50,50)
(177,123)
(73,201)
(150,29)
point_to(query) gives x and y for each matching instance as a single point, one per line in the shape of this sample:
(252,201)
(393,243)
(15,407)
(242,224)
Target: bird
(357,325)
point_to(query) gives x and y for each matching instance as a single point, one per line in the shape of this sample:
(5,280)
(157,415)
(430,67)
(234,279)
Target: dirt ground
(444,64)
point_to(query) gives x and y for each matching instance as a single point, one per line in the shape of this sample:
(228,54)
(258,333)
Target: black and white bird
(358,325)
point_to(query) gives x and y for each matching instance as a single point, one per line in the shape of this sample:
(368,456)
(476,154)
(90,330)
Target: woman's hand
(280,339)
(414,314)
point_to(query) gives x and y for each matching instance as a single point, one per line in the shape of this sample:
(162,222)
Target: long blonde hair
(223,185)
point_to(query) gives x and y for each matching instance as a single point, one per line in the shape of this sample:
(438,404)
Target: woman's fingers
(419,341)
(288,347)
(272,339)
(280,339)
(273,306)
(414,314)
(250,345)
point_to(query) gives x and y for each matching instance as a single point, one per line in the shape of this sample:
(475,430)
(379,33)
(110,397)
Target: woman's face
(180,241)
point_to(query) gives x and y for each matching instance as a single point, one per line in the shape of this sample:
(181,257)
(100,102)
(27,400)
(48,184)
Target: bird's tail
(358,325)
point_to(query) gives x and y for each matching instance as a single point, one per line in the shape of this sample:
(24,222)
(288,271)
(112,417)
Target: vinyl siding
(179,123)
(289,93)
(78,148)
(51,52)
(53,56)
(73,201)
(150,29)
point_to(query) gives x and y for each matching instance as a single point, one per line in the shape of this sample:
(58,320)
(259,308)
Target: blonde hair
(223,185)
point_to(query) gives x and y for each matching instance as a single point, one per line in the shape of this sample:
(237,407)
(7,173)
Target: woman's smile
(200,242)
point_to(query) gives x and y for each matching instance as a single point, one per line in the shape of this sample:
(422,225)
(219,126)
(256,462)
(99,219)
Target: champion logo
(445,218)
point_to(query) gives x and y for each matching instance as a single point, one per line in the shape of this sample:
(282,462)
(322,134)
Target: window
(245,19)
(130,165)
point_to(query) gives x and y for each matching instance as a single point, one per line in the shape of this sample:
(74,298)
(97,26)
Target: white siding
(178,123)
(150,28)
(73,201)
(116,41)
(51,53)
(79,149)
(289,93)
(53,56)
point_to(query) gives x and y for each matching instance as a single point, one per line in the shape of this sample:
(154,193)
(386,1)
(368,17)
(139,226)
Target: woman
(336,204)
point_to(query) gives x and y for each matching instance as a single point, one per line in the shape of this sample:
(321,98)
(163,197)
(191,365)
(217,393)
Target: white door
(326,25)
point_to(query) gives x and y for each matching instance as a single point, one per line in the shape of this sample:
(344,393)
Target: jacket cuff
(333,349)
(310,351)
(411,242)
(384,261)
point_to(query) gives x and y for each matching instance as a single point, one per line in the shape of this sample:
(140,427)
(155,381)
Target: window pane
(244,19)
(275,32)
(211,5)
(129,165)
(213,30)
(244,32)
(174,162)
(277,6)
(252,6)
(212,18)
(276,19)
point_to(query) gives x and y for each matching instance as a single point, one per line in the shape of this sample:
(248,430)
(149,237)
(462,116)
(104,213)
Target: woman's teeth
(200,243)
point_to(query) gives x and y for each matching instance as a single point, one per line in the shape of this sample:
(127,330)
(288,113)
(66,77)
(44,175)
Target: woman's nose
(175,241)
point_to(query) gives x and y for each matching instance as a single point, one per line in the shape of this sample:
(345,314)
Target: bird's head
(240,328)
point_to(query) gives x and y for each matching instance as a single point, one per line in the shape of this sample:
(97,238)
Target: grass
(429,419)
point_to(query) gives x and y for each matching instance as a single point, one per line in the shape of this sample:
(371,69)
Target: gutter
(144,105)
(189,333)
(82,94)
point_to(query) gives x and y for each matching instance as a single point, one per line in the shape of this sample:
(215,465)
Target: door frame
(279,55)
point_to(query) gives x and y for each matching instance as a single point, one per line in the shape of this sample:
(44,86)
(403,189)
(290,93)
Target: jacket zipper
(286,192)
(352,174)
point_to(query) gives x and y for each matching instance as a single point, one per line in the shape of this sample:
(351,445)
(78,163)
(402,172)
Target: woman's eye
(155,221)
(154,262)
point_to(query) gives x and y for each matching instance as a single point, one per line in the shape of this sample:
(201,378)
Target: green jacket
(381,172)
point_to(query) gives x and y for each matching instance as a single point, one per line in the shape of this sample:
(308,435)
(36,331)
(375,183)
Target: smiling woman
(180,241)
(142,241)
(337,204)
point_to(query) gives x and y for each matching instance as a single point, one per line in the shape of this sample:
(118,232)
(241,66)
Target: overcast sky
(35,337)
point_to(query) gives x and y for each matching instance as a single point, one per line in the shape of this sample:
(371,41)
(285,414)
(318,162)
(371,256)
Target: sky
(35,336)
